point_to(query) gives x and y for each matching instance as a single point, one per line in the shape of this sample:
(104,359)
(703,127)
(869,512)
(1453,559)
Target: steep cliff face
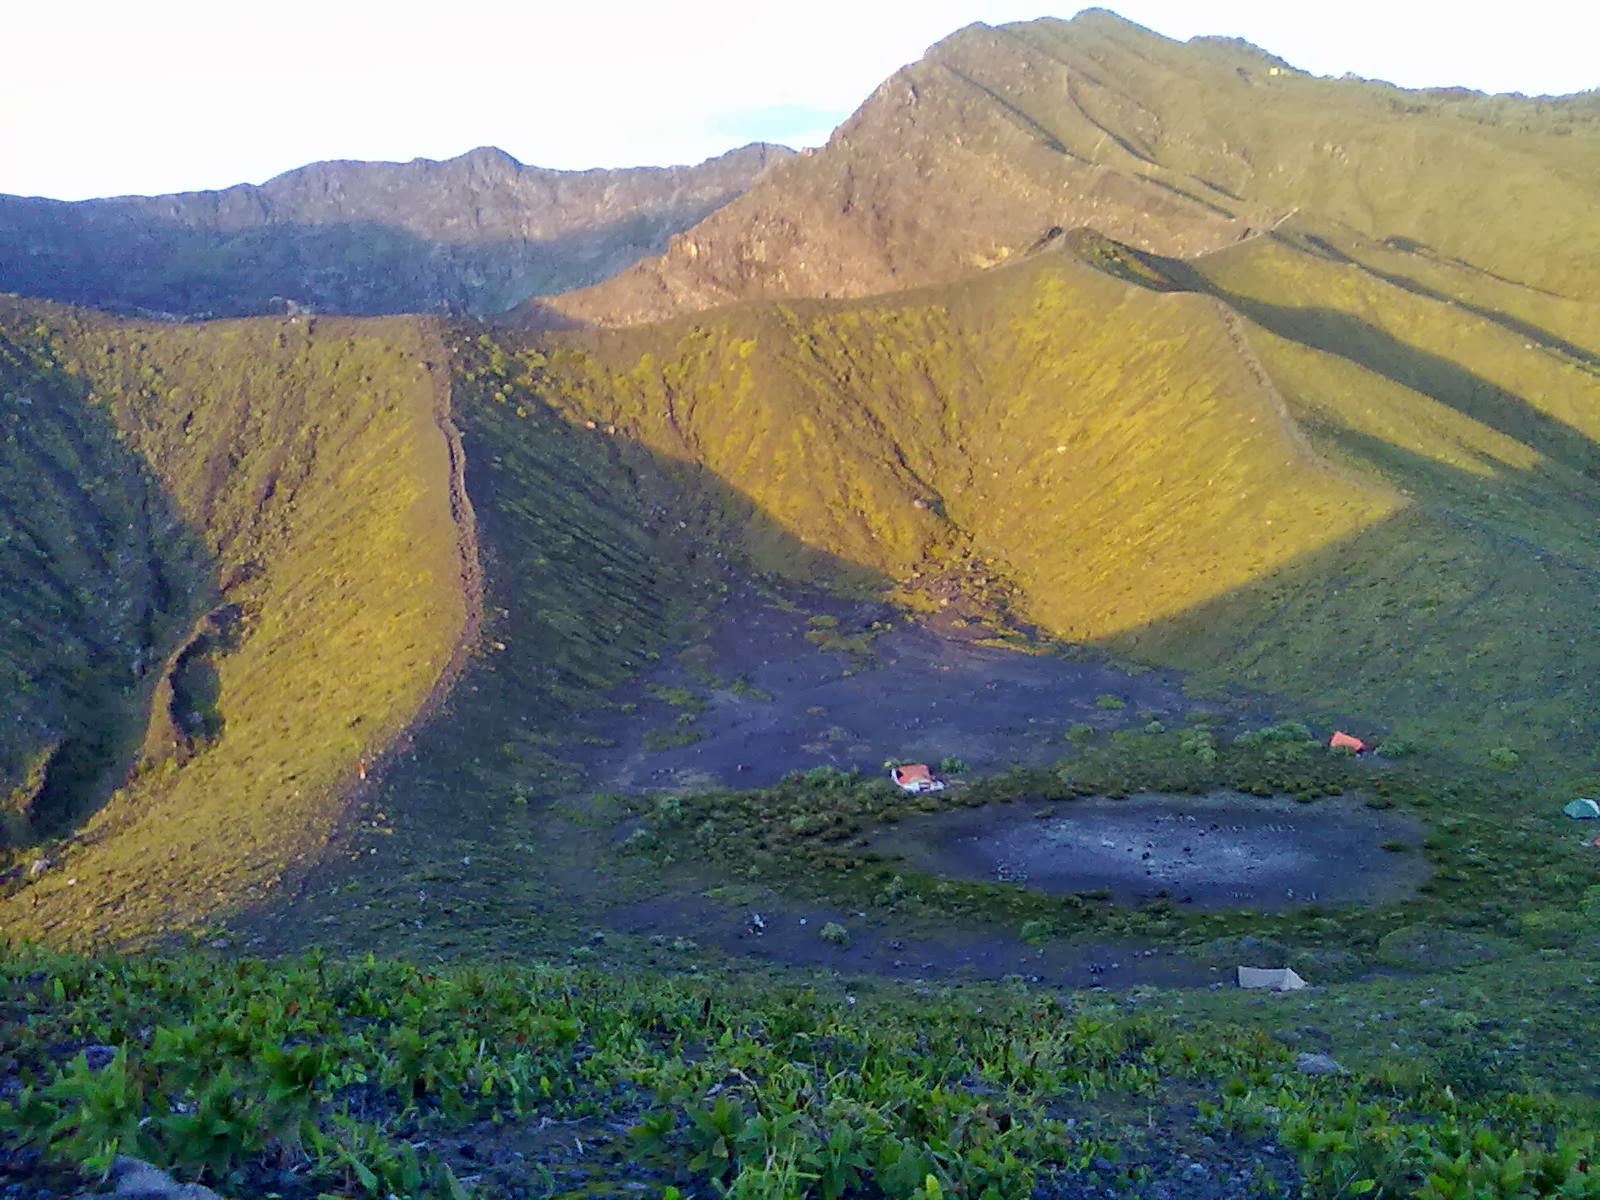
(999,135)
(474,234)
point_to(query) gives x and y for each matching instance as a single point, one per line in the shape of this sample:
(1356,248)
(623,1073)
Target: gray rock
(1317,1064)
(135,1179)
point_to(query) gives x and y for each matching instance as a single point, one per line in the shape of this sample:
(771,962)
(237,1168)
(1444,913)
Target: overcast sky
(108,97)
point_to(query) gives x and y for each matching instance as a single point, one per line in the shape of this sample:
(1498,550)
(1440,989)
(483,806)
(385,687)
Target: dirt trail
(470,563)
(435,360)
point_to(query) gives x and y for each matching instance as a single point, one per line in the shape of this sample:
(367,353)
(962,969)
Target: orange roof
(913,773)
(1342,739)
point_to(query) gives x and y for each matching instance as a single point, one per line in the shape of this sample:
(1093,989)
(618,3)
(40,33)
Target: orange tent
(916,778)
(1343,741)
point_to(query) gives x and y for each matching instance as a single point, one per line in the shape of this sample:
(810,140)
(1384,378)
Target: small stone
(1317,1064)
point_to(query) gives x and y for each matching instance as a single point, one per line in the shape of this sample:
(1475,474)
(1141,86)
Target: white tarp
(1279,979)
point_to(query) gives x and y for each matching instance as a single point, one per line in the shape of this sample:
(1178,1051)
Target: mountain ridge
(1001,134)
(476,233)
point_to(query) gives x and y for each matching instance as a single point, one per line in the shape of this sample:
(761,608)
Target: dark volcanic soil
(789,935)
(1219,851)
(913,691)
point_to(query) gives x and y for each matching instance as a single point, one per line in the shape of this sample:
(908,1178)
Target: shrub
(1551,928)
(671,739)
(1425,946)
(1079,732)
(1108,701)
(835,934)
(1201,743)
(1504,757)
(641,841)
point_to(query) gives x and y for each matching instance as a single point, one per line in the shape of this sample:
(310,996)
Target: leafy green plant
(835,934)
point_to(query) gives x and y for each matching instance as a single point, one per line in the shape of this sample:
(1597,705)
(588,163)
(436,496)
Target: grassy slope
(1470,617)
(1137,463)
(313,464)
(1442,169)
(1106,447)
(598,554)
(99,581)
(372,1079)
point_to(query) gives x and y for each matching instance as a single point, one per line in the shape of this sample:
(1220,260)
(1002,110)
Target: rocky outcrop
(1000,137)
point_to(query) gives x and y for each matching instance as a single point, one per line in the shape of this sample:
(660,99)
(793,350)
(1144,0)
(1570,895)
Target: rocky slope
(477,234)
(999,135)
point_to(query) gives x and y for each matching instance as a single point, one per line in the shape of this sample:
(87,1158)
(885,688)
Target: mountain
(476,725)
(474,234)
(1291,432)
(997,136)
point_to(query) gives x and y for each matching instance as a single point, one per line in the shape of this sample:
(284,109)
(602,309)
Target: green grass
(100,584)
(1495,858)
(367,1079)
(309,462)
(1297,499)
(1180,148)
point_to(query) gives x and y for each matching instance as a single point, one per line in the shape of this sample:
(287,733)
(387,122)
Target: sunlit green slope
(1280,468)
(312,463)
(1355,474)
(99,581)
(968,157)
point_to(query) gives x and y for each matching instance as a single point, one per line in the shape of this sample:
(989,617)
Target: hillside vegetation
(313,464)
(1195,464)
(330,632)
(99,582)
(973,154)
(316,1077)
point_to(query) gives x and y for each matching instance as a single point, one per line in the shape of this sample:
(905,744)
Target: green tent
(1579,809)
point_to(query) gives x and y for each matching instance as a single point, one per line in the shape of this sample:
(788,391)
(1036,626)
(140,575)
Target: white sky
(108,97)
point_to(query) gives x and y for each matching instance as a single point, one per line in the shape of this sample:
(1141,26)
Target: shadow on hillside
(1427,622)
(1510,503)
(100,582)
(600,558)
(124,261)
(1300,240)
(1374,349)
(599,554)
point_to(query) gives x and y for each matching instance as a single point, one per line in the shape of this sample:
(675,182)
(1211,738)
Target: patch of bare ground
(1218,851)
(787,683)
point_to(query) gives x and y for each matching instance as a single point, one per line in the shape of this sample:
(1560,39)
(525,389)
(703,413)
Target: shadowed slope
(997,135)
(1357,494)
(99,582)
(1105,447)
(1152,469)
(313,462)
(478,233)
(1468,618)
